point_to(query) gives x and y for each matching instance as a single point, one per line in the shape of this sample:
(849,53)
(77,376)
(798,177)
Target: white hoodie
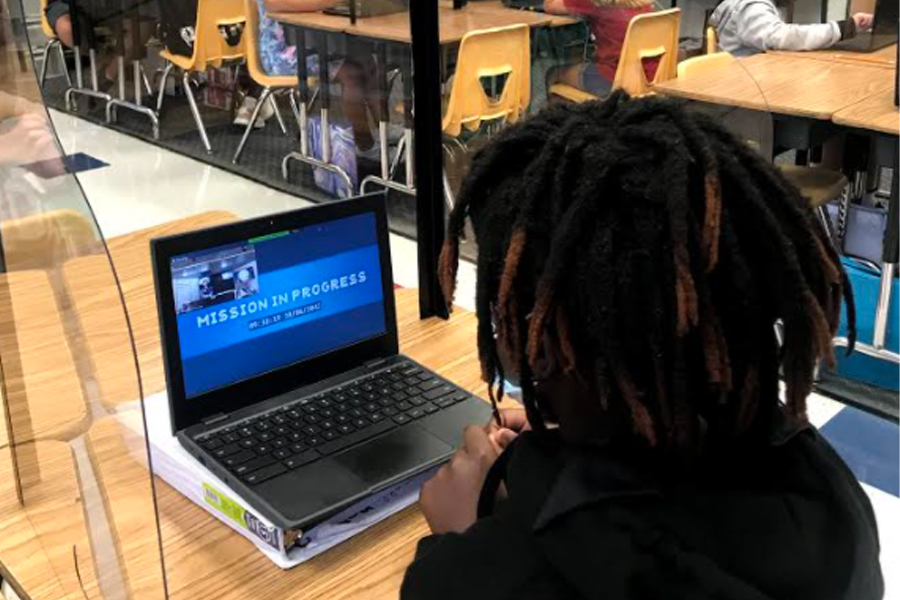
(746,27)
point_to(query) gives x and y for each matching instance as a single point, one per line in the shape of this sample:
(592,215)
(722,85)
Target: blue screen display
(252,307)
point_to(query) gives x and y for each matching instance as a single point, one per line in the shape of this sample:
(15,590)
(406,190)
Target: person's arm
(556,7)
(298,5)
(761,28)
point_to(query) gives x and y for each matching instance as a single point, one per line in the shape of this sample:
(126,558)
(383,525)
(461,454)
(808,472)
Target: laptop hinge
(372,364)
(215,419)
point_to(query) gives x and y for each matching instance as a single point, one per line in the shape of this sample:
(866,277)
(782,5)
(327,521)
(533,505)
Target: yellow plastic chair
(46,240)
(712,40)
(53,43)
(269,83)
(210,50)
(501,52)
(649,36)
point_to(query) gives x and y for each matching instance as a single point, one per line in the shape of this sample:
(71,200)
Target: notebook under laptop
(883,33)
(282,363)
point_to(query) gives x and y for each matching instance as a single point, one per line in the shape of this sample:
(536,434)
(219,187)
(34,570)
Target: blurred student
(608,20)
(356,75)
(746,27)
(59,16)
(633,259)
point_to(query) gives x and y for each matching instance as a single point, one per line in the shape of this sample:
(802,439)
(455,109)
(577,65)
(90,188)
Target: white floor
(146,185)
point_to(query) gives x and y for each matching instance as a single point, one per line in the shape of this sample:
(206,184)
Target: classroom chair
(712,40)
(269,83)
(484,55)
(210,50)
(46,240)
(487,57)
(53,43)
(649,36)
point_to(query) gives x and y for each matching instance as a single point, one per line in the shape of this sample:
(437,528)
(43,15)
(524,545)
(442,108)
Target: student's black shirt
(787,521)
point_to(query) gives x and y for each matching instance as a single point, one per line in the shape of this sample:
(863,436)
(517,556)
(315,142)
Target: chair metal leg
(162,86)
(147,87)
(295,108)
(448,193)
(62,62)
(267,93)
(278,114)
(186,80)
(46,55)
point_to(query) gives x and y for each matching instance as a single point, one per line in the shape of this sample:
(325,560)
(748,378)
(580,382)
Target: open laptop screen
(248,308)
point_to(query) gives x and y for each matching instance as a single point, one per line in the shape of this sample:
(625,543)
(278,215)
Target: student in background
(608,20)
(633,259)
(59,16)
(356,75)
(746,27)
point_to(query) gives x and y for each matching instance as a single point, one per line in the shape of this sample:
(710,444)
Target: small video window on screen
(224,276)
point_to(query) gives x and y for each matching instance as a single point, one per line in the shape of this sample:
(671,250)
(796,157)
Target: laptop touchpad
(403,451)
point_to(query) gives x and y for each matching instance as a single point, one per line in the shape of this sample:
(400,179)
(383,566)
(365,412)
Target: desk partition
(77,511)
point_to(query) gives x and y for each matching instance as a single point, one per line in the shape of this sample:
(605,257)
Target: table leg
(888,268)
(299,35)
(406,68)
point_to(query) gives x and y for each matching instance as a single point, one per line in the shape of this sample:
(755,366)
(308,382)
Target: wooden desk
(886,57)
(204,558)
(454,24)
(96,301)
(43,388)
(497,7)
(875,113)
(812,89)
(39,545)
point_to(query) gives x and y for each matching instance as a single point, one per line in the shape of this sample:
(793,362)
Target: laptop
(282,363)
(883,33)
(368,8)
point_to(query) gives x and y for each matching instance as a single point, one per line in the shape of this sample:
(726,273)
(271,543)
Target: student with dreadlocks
(633,261)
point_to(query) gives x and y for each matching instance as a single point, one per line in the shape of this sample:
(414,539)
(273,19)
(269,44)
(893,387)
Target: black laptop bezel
(187,412)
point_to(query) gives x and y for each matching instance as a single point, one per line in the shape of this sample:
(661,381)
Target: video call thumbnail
(224,276)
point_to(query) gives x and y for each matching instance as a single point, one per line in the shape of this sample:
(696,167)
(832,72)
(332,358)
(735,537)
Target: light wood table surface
(886,57)
(43,387)
(814,89)
(204,558)
(89,282)
(875,113)
(454,24)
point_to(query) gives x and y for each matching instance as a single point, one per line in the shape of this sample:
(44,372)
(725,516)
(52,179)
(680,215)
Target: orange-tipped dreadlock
(655,253)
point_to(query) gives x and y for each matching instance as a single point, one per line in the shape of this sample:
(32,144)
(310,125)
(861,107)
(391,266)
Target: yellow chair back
(45,24)
(46,240)
(703,63)
(649,36)
(251,46)
(210,47)
(504,51)
(712,40)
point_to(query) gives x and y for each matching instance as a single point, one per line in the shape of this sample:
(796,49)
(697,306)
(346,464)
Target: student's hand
(28,140)
(449,500)
(863,21)
(514,421)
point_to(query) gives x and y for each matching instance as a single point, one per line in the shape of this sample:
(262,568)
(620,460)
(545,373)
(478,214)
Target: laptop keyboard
(294,435)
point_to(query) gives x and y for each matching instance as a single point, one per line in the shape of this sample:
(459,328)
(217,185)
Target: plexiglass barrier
(78,514)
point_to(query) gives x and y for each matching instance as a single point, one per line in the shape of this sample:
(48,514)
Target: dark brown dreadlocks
(656,252)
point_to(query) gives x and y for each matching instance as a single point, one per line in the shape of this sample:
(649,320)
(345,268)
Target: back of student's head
(655,253)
